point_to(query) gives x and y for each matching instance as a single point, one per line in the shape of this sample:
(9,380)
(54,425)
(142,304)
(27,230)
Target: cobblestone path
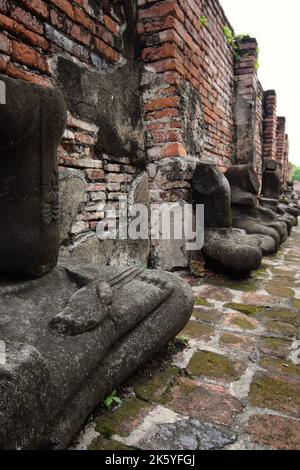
(234,383)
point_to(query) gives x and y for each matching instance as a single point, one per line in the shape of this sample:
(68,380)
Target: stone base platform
(69,338)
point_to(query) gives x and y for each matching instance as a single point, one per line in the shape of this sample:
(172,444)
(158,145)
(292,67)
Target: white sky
(276,26)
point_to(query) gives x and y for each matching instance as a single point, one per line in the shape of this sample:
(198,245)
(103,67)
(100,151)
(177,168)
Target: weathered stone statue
(270,194)
(32,123)
(289,202)
(70,337)
(247,213)
(226,249)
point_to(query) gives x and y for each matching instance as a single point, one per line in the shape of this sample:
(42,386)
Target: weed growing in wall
(234,41)
(203,21)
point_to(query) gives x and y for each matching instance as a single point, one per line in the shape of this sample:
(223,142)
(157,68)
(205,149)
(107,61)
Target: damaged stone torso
(29,178)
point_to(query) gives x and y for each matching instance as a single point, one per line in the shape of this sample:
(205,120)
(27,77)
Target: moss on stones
(213,365)
(283,315)
(123,419)
(210,316)
(296,303)
(243,342)
(243,324)
(154,388)
(198,330)
(275,345)
(284,329)
(227,338)
(275,393)
(277,289)
(260,273)
(107,444)
(202,302)
(281,273)
(281,365)
(243,308)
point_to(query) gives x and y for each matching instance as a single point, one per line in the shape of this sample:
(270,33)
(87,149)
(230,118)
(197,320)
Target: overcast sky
(276,26)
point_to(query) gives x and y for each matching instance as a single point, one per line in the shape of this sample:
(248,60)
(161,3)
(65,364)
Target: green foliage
(183,339)
(112,399)
(257,60)
(203,21)
(295,173)
(236,55)
(234,40)
(242,36)
(229,34)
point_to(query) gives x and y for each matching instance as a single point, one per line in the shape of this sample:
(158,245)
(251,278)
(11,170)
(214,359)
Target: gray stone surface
(72,337)
(90,250)
(243,198)
(32,123)
(252,226)
(271,182)
(190,435)
(211,188)
(259,220)
(169,255)
(192,120)
(245,121)
(244,177)
(72,186)
(232,251)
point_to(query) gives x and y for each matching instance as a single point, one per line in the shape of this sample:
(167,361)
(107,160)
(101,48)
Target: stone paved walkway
(234,383)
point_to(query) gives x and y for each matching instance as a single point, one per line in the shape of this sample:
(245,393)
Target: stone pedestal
(71,338)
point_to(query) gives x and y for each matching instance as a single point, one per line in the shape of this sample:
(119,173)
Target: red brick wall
(259,127)
(36,29)
(287,167)
(178,49)
(280,144)
(270,125)
(249,139)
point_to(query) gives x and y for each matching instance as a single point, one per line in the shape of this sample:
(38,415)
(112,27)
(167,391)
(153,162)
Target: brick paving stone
(233,341)
(190,435)
(211,403)
(279,288)
(276,393)
(241,322)
(155,387)
(209,364)
(283,329)
(216,293)
(275,347)
(275,431)
(124,419)
(260,299)
(208,315)
(283,366)
(198,331)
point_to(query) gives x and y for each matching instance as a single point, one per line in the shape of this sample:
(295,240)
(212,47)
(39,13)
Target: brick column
(270,125)
(280,145)
(248,105)
(286,166)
